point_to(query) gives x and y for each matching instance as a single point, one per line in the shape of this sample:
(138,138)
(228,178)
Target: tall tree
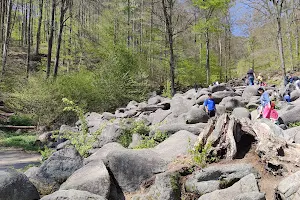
(6,37)
(50,40)
(168,6)
(38,33)
(29,38)
(65,4)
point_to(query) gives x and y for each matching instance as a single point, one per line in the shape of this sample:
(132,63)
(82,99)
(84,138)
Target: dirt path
(17,159)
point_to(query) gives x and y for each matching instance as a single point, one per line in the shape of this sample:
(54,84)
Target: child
(210,106)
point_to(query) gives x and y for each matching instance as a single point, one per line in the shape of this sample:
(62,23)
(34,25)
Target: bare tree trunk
(63,10)
(128,23)
(220,57)
(6,39)
(169,27)
(38,34)
(29,38)
(280,46)
(50,41)
(207,56)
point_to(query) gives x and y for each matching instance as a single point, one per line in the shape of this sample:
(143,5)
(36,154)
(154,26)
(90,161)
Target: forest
(103,53)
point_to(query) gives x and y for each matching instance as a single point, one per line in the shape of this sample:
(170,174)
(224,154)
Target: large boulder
(219,96)
(72,195)
(16,186)
(109,134)
(158,116)
(170,129)
(295,95)
(219,88)
(289,188)
(231,103)
(291,116)
(176,145)
(155,100)
(241,113)
(217,177)
(95,121)
(56,170)
(247,184)
(180,105)
(292,134)
(251,196)
(93,178)
(197,115)
(101,154)
(131,167)
(250,91)
(166,187)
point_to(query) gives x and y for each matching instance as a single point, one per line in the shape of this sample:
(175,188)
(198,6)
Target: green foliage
(167,90)
(296,124)
(150,142)
(137,127)
(25,141)
(202,154)
(46,153)
(20,120)
(83,140)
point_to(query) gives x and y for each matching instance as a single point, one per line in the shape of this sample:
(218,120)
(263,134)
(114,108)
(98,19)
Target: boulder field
(161,149)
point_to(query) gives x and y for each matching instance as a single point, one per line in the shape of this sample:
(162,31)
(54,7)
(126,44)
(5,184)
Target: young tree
(65,4)
(29,38)
(208,9)
(38,33)
(50,40)
(6,37)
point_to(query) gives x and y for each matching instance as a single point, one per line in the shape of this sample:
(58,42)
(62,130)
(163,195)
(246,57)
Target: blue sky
(237,12)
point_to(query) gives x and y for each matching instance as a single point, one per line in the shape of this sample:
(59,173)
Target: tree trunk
(29,38)
(128,23)
(280,47)
(38,34)
(169,27)
(207,57)
(220,58)
(6,38)
(63,10)
(50,41)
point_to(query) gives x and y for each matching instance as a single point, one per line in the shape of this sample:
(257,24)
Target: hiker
(265,108)
(251,76)
(260,79)
(287,97)
(210,106)
(286,80)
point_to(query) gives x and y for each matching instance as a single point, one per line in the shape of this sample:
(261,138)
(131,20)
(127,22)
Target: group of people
(251,78)
(266,109)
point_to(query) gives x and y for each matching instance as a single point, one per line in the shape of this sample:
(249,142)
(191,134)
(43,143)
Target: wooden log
(17,127)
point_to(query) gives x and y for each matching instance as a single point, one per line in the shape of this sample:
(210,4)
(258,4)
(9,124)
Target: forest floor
(17,158)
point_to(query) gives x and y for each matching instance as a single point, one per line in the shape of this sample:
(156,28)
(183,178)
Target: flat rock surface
(17,159)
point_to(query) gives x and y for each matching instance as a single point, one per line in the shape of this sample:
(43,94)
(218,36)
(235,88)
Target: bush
(18,120)
(104,90)
(202,154)
(83,140)
(25,141)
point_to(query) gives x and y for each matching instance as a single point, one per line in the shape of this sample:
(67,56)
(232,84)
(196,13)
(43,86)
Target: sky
(236,12)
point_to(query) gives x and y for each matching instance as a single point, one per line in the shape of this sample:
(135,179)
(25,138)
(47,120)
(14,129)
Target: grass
(25,141)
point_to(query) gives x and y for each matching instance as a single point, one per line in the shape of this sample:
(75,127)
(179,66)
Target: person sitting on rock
(260,79)
(210,106)
(265,101)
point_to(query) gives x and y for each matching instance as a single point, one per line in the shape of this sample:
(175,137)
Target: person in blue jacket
(210,106)
(265,100)
(287,97)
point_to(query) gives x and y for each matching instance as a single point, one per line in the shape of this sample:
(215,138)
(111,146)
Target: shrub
(19,120)
(296,124)
(83,140)
(25,141)
(46,153)
(202,154)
